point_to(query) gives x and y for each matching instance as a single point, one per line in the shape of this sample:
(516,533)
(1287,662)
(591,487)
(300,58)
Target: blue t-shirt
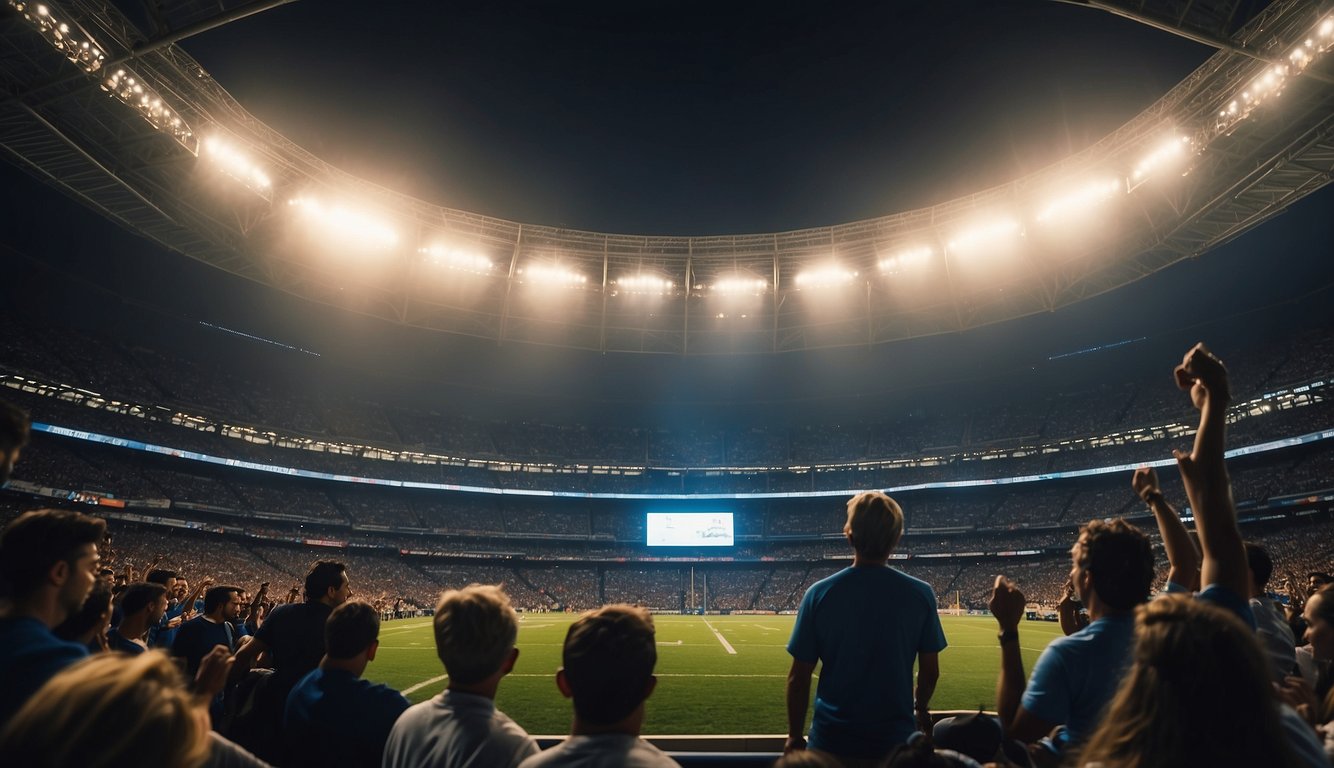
(29,656)
(294,634)
(866,626)
(1077,675)
(122,644)
(335,718)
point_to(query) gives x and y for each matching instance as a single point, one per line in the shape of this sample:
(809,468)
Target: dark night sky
(683,119)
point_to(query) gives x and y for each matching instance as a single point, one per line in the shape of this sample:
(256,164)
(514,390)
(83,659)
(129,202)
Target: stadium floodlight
(1080,200)
(644,283)
(1169,154)
(997,231)
(739,285)
(824,276)
(545,273)
(227,158)
(76,46)
(907,258)
(141,97)
(457,259)
(344,225)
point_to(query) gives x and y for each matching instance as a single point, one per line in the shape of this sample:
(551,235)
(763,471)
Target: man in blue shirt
(867,625)
(48,563)
(142,606)
(201,634)
(1075,677)
(333,717)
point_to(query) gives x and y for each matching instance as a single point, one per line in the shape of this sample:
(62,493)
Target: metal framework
(62,126)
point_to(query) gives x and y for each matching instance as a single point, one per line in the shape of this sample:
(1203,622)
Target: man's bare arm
(1204,473)
(1183,561)
(928,674)
(798,700)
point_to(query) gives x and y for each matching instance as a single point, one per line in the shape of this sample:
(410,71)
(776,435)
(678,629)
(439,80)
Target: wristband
(1007,636)
(1151,497)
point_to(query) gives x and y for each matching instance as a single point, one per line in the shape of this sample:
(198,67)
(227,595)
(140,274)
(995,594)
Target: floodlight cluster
(76,47)
(458,260)
(644,283)
(344,225)
(236,163)
(906,259)
(1081,199)
(739,286)
(125,86)
(985,233)
(1169,154)
(552,274)
(823,276)
(1269,84)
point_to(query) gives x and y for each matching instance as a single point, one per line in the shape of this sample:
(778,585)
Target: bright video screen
(690,529)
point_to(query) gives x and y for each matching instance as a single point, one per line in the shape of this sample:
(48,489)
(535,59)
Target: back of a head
(139,596)
(875,524)
(351,629)
(163,576)
(140,699)
(35,541)
(1120,559)
(609,656)
(14,427)
(475,629)
(323,576)
(1262,565)
(1196,669)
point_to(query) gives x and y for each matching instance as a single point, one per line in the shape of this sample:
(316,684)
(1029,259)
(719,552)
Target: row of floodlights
(362,229)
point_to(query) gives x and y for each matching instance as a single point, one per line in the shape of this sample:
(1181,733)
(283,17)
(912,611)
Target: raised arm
(1007,605)
(1183,561)
(1205,474)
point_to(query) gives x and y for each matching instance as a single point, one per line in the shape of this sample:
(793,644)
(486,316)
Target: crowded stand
(1001,549)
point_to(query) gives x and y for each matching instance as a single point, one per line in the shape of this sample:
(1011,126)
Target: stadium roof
(140,134)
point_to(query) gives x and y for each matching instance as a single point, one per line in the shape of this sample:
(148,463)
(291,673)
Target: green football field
(716,674)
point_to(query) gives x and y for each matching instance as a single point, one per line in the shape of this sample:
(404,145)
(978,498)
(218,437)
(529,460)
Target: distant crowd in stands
(1206,669)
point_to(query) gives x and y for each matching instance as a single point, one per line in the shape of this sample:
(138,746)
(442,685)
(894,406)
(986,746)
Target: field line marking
(726,645)
(414,688)
(535,626)
(767,629)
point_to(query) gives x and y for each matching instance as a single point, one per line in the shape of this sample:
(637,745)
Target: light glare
(343,224)
(1082,199)
(905,259)
(985,233)
(642,283)
(552,274)
(237,164)
(824,276)
(462,261)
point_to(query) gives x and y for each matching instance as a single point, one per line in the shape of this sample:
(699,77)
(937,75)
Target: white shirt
(604,750)
(457,730)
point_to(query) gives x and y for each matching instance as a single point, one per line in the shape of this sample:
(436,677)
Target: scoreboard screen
(690,529)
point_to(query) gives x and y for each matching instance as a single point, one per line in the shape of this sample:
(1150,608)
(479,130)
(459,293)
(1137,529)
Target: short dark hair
(35,541)
(96,607)
(350,629)
(609,656)
(1262,565)
(1120,559)
(139,596)
(160,576)
(15,427)
(323,576)
(217,596)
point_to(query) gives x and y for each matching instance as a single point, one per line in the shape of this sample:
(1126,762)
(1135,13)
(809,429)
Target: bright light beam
(1080,200)
(1169,154)
(824,276)
(237,164)
(462,261)
(985,234)
(739,285)
(346,226)
(908,258)
(644,283)
(552,274)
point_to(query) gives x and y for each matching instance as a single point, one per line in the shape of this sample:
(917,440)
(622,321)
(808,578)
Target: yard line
(674,642)
(535,626)
(767,629)
(414,688)
(726,645)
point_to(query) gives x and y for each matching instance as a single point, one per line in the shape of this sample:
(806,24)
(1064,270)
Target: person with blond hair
(110,710)
(867,625)
(1197,693)
(475,631)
